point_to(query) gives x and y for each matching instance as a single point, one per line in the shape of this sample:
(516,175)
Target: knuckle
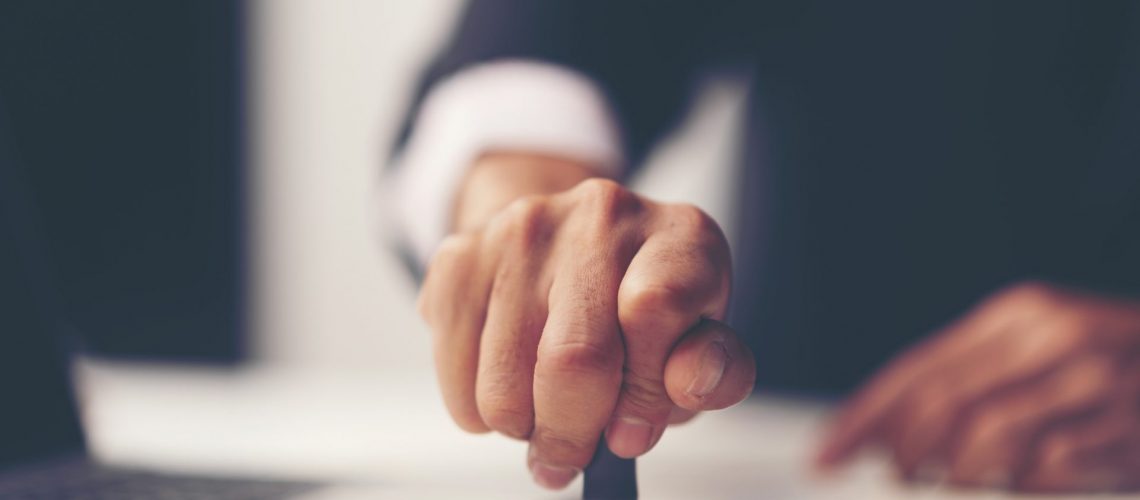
(693,221)
(563,447)
(692,224)
(522,222)
(599,186)
(644,299)
(452,255)
(528,211)
(702,233)
(644,396)
(503,401)
(604,195)
(579,357)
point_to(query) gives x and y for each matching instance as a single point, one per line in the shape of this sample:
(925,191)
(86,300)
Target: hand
(1037,389)
(586,310)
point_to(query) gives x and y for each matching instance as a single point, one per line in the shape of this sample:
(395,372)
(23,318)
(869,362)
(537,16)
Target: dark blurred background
(206,174)
(207,178)
(127,116)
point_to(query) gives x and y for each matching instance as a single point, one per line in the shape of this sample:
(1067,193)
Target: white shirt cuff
(509,105)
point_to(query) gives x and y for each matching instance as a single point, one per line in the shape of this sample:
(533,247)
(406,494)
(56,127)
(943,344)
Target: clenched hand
(583,311)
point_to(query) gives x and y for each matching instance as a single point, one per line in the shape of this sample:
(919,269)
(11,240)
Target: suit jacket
(903,159)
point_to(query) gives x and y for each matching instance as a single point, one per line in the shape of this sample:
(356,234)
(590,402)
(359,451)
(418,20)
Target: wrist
(497,178)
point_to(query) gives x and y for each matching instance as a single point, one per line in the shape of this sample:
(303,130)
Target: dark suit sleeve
(643,54)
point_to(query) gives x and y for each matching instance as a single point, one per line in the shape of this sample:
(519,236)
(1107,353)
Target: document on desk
(401,443)
(758,450)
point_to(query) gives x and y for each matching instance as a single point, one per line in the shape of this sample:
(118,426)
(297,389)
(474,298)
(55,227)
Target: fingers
(1100,452)
(1096,455)
(580,355)
(925,421)
(678,276)
(994,443)
(515,317)
(537,313)
(710,368)
(680,415)
(452,301)
(576,382)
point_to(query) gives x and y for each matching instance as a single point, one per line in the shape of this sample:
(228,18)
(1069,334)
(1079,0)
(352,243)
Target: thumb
(709,368)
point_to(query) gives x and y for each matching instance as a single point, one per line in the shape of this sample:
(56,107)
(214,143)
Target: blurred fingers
(939,409)
(995,441)
(1096,455)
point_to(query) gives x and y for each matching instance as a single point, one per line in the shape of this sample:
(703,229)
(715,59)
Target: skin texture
(565,307)
(1037,389)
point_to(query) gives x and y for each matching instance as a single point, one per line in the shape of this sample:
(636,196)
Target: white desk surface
(388,436)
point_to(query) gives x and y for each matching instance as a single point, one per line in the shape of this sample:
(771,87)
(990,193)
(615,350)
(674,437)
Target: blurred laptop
(43,452)
(128,116)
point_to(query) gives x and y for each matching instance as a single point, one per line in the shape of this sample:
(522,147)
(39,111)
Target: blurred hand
(1037,389)
(579,311)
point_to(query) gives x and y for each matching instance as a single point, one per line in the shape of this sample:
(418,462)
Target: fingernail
(552,477)
(629,436)
(713,362)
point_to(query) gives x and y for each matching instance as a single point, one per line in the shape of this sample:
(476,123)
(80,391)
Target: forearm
(497,178)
